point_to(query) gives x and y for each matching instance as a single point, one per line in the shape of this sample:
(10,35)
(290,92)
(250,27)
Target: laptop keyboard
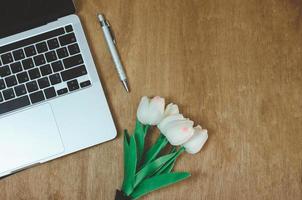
(40,68)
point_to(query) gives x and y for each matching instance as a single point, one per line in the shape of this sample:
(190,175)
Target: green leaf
(173,149)
(130,161)
(151,168)
(126,136)
(168,166)
(152,153)
(140,132)
(126,153)
(157,182)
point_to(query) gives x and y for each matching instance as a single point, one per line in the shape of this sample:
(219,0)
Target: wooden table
(232,66)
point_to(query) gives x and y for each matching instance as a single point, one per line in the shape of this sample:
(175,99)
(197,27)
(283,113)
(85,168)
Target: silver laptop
(51,99)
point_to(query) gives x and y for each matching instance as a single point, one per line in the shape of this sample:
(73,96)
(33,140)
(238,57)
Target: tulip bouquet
(146,170)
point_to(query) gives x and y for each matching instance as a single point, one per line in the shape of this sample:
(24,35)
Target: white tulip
(151,111)
(195,144)
(171,113)
(143,110)
(171,109)
(164,124)
(179,131)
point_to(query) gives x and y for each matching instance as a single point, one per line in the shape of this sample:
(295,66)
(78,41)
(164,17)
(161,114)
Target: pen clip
(111,32)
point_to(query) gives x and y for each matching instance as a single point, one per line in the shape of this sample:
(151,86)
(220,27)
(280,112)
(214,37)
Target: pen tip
(125,84)
(100,16)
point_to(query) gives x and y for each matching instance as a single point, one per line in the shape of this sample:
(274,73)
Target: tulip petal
(158,103)
(143,110)
(163,125)
(172,123)
(180,132)
(171,109)
(156,110)
(154,117)
(195,144)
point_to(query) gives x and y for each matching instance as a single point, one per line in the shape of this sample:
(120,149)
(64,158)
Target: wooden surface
(233,66)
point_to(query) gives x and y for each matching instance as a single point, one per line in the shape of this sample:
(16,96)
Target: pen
(113,50)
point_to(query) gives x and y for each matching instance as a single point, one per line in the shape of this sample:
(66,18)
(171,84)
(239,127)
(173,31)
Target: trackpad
(28,137)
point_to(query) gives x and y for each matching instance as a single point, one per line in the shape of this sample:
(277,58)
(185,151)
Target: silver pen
(113,50)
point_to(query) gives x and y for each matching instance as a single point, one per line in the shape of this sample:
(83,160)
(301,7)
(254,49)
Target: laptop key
(16,67)
(22,77)
(8,94)
(32,86)
(7,58)
(14,104)
(53,43)
(67,39)
(1,97)
(50,93)
(39,60)
(85,84)
(57,66)
(43,83)
(11,81)
(5,71)
(62,52)
(62,91)
(18,54)
(73,49)
(73,73)
(73,61)
(37,97)
(34,73)
(51,56)
(68,28)
(42,47)
(20,90)
(55,79)
(73,85)
(32,40)
(2,84)
(30,51)
(45,70)
(28,63)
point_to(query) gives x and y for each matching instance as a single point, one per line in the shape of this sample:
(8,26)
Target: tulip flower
(171,113)
(178,132)
(195,144)
(171,109)
(164,124)
(151,111)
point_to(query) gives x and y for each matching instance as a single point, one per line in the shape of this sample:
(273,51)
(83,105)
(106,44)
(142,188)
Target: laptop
(51,99)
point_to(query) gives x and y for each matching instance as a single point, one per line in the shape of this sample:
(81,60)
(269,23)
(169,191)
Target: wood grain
(232,66)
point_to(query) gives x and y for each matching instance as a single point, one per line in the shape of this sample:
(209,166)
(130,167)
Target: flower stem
(140,132)
(170,164)
(120,195)
(153,152)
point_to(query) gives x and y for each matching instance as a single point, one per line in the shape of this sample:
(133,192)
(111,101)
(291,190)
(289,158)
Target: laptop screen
(19,15)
